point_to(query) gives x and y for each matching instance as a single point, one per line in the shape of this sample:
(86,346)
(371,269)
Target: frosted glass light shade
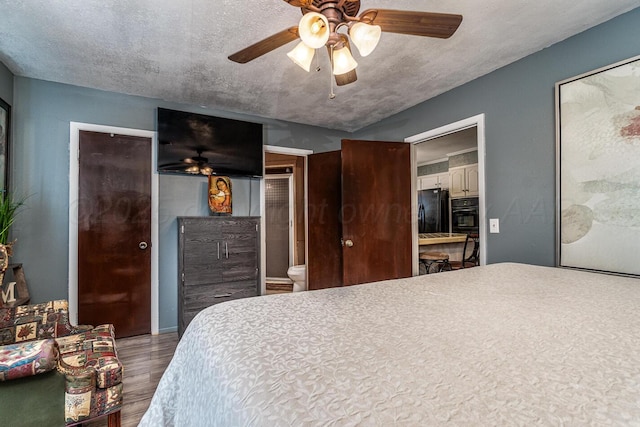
(343,61)
(314,29)
(302,55)
(365,37)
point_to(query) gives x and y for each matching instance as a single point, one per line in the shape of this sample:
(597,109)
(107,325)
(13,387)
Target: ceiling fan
(323,22)
(195,165)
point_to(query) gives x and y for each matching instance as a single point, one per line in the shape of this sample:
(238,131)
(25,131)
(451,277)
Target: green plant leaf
(9,208)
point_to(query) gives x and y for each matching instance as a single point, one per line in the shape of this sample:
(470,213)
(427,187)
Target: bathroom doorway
(279,204)
(284,217)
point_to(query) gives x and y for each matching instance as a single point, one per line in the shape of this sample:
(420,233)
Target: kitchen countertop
(440,238)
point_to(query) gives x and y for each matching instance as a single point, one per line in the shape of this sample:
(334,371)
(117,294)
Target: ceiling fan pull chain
(331,94)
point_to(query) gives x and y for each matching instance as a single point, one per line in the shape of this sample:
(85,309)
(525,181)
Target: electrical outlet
(494,225)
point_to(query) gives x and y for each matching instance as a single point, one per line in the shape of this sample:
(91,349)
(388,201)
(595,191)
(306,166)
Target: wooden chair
(435,262)
(473,259)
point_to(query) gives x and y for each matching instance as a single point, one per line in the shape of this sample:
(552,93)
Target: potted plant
(9,207)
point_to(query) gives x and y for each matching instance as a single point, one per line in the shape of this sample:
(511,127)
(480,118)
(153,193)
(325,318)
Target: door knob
(143,245)
(348,243)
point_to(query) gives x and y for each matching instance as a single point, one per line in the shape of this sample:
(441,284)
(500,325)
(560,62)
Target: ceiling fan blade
(299,3)
(265,46)
(346,78)
(174,166)
(426,24)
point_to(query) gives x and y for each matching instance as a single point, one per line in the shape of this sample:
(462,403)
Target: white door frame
(263,241)
(475,121)
(74,181)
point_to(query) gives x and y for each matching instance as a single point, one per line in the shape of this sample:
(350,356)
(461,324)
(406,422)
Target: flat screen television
(197,144)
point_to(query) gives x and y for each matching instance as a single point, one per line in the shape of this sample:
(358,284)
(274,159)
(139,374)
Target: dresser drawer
(194,299)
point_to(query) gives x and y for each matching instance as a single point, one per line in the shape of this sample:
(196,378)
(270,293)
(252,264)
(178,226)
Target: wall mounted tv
(197,144)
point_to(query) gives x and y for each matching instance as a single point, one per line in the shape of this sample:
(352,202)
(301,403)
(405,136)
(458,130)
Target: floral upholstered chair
(51,371)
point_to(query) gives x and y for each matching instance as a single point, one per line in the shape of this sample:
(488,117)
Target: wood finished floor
(279,288)
(144,358)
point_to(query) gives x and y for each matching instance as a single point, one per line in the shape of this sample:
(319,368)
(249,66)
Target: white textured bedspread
(504,344)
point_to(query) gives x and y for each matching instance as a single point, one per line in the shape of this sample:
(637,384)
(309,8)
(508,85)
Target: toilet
(298,274)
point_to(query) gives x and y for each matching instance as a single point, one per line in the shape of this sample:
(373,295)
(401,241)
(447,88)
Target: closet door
(114,232)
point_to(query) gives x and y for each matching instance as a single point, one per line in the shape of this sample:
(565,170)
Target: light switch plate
(494,225)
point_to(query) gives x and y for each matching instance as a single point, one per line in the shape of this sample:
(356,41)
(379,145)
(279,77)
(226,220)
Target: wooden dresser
(218,259)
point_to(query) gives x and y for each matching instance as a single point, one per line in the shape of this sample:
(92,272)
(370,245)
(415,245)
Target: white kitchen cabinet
(427,181)
(463,181)
(436,180)
(444,180)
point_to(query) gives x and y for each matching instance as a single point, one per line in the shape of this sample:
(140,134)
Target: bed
(503,344)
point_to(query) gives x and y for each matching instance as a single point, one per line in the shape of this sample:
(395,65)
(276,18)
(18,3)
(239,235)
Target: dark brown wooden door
(376,210)
(324,199)
(114,232)
(362,195)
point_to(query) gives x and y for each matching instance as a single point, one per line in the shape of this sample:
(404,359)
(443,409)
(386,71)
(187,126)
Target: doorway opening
(279,229)
(284,221)
(452,159)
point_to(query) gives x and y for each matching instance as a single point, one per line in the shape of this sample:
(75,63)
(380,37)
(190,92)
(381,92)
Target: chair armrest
(79,372)
(91,356)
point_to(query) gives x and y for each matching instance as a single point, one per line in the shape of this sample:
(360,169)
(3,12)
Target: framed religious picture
(598,172)
(219,195)
(5,122)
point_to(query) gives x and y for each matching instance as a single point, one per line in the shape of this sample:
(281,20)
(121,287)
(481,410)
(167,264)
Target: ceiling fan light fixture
(365,37)
(314,29)
(206,170)
(193,169)
(302,55)
(343,61)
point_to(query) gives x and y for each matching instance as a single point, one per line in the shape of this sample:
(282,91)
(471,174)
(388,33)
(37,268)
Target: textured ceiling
(176,50)
(442,147)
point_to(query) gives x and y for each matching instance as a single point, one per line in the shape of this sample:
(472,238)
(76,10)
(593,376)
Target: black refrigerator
(433,211)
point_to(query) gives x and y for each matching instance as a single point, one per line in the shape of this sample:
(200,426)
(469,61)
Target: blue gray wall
(518,101)
(42,112)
